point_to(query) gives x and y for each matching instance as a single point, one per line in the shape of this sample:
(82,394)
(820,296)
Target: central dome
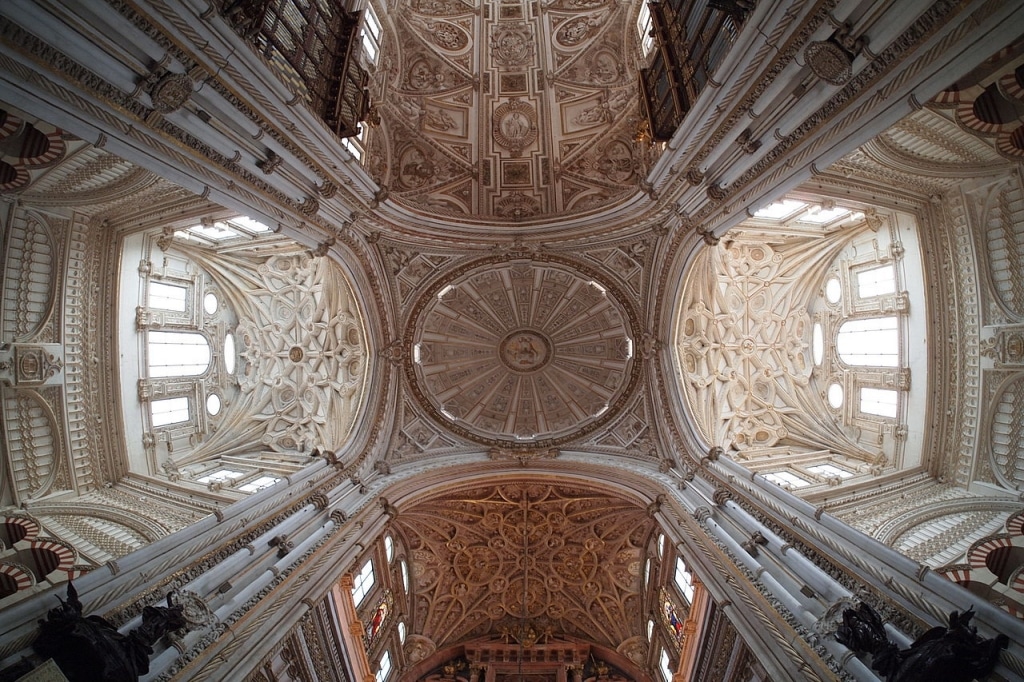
(521,353)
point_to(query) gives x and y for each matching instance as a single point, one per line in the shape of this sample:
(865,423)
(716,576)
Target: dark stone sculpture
(90,649)
(953,654)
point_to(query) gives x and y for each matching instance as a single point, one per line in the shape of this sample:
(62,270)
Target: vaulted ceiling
(485,120)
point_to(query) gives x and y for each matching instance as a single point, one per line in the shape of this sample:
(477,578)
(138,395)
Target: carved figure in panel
(514,126)
(440,8)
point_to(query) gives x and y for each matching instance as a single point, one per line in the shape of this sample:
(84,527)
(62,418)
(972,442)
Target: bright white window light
(389,548)
(835,395)
(833,290)
(229,353)
(787,479)
(217,232)
(371,35)
(169,411)
(665,665)
(876,281)
(882,402)
(249,224)
(872,342)
(780,209)
(684,580)
(817,343)
(167,296)
(258,484)
(210,303)
(385,667)
(644,24)
(829,471)
(220,475)
(823,216)
(363,582)
(177,354)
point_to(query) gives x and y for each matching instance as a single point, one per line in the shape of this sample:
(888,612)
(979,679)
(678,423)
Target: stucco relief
(514,126)
(482,556)
(521,353)
(512,45)
(454,59)
(744,346)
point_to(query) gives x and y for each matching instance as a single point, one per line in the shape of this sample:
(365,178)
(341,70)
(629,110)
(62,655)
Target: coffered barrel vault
(498,387)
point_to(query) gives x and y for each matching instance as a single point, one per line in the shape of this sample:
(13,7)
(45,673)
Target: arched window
(173,354)
(389,548)
(872,341)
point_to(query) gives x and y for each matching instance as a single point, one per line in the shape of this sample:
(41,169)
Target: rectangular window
(371,35)
(354,145)
(167,296)
(220,475)
(217,232)
(876,282)
(829,471)
(665,665)
(644,25)
(177,354)
(258,484)
(871,342)
(684,580)
(249,225)
(384,669)
(363,582)
(878,401)
(169,411)
(786,479)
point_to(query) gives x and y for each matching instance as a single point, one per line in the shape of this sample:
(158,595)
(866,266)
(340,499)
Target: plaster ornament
(514,126)
(171,92)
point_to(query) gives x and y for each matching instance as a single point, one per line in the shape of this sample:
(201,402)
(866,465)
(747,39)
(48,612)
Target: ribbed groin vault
(473,341)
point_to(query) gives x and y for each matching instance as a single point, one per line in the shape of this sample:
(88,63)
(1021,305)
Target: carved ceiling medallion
(514,126)
(511,45)
(521,353)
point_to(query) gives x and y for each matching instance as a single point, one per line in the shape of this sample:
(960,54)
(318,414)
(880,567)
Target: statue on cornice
(954,654)
(90,649)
